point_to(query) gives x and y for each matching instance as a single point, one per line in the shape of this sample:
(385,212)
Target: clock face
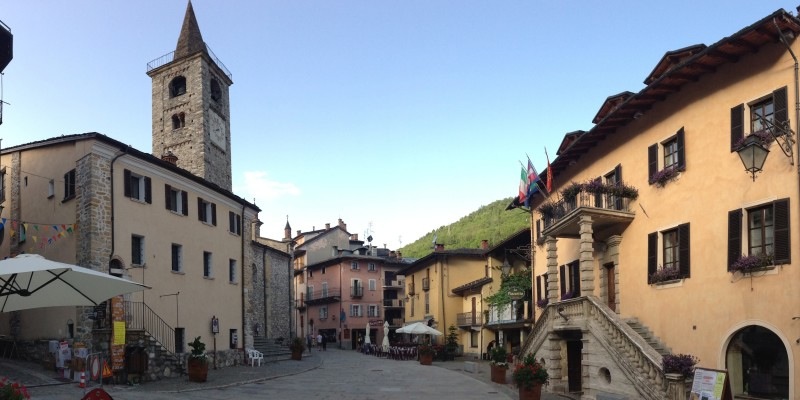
(217,127)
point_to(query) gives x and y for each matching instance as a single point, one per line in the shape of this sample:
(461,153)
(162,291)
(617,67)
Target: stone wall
(279,298)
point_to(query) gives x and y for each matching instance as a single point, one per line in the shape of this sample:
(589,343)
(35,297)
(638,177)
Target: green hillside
(492,222)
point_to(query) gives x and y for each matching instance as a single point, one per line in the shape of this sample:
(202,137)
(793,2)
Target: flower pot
(197,370)
(426,359)
(534,393)
(499,373)
(297,355)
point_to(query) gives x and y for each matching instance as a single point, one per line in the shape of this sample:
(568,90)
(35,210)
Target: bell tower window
(178,120)
(216,91)
(177,87)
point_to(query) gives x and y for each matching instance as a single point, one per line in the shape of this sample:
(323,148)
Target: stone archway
(758,363)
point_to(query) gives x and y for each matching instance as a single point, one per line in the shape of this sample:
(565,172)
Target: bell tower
(191,107)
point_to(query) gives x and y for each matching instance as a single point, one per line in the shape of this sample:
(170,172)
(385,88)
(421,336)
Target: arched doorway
(758,364)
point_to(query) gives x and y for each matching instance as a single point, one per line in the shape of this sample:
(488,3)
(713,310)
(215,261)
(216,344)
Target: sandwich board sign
(710,384)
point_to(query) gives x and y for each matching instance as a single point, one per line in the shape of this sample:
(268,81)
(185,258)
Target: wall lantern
(753,154)
(753,150)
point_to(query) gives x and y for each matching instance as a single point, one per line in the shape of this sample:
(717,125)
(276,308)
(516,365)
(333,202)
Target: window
(674,252)
(355,310)
(570,277)
(176,200)
(206,211)
(771,109)
(354,265)
(137,187)
(310,292)
(373,311)
(767,232)
(22,233)
(178,121)
(427,302)
(216,91)
(323,312)
(137,250)
(371,267)
(177,86)
(51,188)
(2,185)
(473,339)
(69,185)
(232,271)
(234,223)
(207,264)
(324,289)
(612,178)
(177,258)
(673,159)
(356,288)
(373,284)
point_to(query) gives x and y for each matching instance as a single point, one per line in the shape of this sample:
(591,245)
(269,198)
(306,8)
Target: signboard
(376,322)
(119,333)
(710,384)
(516,294)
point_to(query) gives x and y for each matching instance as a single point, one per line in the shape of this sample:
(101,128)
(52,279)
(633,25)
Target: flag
(533,183)
(523,186)
(549,173)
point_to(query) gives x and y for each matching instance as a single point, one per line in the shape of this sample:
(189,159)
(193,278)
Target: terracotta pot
(499,374)
(197,370)
(534,393)
(426,359)
(297,355)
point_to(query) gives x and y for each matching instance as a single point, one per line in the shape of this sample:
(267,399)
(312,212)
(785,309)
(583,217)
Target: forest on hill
(491,222)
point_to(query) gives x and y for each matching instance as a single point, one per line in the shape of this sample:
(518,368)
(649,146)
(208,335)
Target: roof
(127,149)
(468,287)
(433,256)
(343,258)
(190,40)
(676,69)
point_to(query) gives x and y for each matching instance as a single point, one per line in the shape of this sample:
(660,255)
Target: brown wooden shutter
(167,192)
(779,101)
(148,191)
(782,250)
(652,162)
(737,125)
(201,210)
(683,251)
(185,202)
(681,151)
(652,255)
(618,174)
(539,287)
(538,229)
(575,284)
(734,236)
(563,279)
(126,178)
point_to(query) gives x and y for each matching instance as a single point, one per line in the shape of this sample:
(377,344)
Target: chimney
(298,232)
(484,244)
(327,226)
(170,158)
(439,247)
(392,254)
(354,236)
(342,224)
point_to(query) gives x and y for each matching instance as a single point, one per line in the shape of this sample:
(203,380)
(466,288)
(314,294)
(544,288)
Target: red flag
(549,173)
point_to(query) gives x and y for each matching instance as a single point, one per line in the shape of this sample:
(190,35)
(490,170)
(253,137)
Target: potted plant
(426,353)
(499,364)
(681,364)
(746,264)
(529,378)
(570,193)
(13,390)
(297,346)
(664,274)
(661,178)
(198,361)
(451,348)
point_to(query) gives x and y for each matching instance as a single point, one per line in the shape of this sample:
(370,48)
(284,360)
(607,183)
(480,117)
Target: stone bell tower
(191,107)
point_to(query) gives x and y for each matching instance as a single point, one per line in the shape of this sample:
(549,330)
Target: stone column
(676,387)
(552,270)
(612,253)
(586,256)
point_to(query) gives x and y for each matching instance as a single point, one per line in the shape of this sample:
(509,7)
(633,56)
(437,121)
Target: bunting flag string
(37,235)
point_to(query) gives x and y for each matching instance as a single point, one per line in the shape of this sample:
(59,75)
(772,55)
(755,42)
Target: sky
(398,117)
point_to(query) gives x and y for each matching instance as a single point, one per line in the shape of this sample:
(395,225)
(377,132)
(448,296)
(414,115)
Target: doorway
(574,358)
(758,364)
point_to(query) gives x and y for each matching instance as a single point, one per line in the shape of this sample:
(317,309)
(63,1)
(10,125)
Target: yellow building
(691,255)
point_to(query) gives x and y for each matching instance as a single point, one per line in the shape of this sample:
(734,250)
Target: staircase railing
(640,362)
(141,317)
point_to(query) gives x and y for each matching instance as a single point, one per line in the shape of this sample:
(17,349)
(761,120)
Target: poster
(119,333)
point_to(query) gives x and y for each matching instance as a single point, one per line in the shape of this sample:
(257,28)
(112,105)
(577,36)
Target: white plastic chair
(254,355)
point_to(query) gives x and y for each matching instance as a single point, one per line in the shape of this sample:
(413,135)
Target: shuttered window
(767,232)
(675,247)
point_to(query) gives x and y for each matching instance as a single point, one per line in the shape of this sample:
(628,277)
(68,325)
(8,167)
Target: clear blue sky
(402,116)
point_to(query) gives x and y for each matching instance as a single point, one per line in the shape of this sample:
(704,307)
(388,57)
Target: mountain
(491,222)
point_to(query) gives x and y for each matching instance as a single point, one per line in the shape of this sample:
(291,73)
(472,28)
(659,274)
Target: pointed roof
(190,40)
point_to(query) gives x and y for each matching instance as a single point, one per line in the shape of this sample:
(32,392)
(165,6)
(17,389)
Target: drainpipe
(244,333)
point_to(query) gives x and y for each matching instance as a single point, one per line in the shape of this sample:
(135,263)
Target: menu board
(710,384)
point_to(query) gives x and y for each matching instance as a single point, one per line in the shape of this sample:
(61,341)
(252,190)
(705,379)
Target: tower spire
(190,40)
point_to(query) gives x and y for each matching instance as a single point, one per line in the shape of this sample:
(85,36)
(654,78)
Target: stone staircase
(273,349)
(648,336)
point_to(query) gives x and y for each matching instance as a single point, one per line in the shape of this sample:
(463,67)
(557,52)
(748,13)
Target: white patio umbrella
(418,328)
(385,343)
(366,338)
(32,281)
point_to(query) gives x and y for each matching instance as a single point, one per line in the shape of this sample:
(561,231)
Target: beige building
(697,260)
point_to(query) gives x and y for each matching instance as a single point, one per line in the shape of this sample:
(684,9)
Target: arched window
(758,364)
(216,91)
(178,120)
(177,87)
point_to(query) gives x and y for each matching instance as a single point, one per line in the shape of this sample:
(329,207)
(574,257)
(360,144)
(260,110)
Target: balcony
(396,322)
(510,316)
(411,289)
(393,303)
(323,297)
(356,291)
(426,284)
(468,319)
(610,215)
(300,304)
(395,284)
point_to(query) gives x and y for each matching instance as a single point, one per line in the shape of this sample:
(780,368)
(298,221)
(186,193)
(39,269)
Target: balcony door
(611,288)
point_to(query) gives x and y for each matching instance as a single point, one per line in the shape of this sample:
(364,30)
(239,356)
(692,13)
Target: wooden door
(611,288)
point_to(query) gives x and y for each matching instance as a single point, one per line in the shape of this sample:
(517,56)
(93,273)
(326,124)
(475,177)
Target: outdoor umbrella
(385,343)
(366,337)
(418,328)
(32,281)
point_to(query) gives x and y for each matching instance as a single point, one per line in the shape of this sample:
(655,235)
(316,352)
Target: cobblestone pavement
(334,374)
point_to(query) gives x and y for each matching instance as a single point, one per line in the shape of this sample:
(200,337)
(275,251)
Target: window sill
(235,283)
(768,270)
(137,200)
(211,278)
(672,283)
(178,272)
